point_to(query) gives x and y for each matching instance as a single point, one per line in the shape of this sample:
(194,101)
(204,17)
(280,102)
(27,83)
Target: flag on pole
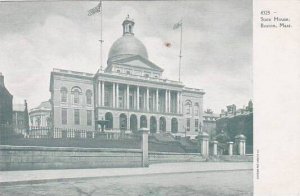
(177,25)
(95,10)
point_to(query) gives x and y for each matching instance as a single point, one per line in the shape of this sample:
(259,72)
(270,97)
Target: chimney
(1,80)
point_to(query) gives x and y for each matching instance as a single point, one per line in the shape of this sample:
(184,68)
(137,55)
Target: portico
(138,97)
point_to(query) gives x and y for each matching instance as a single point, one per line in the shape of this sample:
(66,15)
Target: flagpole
(101,39)
(180,51)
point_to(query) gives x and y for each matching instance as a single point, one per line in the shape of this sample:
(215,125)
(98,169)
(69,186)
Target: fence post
(215,149)
(204,144)
(230,148)
(144,147)
(240,141)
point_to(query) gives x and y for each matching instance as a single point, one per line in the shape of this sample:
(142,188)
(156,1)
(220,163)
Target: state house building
(130,93)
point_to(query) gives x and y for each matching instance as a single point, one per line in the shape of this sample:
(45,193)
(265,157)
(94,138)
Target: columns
(180,104)
(169,101)
(147,99)
(215,150)
(230,148)
(138,122)
(99,94)
(177,105)
(117,96)
(144,147)
(114,95)
(166,101)
(127,94)
(138,98)
(153,109)
(157,109)
(102,94)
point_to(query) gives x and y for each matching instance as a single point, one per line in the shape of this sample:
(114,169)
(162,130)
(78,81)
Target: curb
(26,182)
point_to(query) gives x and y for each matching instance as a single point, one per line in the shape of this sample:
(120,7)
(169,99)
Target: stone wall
(231,158)
(167,157)
(34,157)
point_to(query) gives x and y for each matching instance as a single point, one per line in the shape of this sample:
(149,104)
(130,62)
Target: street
(197,183)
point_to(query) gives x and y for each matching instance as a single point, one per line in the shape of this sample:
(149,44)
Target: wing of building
(130,94)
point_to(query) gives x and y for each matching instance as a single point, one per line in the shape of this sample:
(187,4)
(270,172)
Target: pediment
(137,62)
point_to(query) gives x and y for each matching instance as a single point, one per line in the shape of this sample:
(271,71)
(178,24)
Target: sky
(36,37)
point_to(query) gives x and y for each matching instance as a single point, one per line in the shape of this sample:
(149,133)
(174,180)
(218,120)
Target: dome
(128,44)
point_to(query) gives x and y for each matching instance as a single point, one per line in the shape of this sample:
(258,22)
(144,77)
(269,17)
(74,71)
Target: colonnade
(142,97)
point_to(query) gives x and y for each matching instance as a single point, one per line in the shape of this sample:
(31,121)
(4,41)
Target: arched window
(123,121)
(133,122)
(174,125)
(89,95)
(48,121)
(63,94)
(109,118)
(196,109)
(153,124)
(130,29)
(188,124)
(188,106)
(76,91)
(143,121)
(196,124)
(162,124)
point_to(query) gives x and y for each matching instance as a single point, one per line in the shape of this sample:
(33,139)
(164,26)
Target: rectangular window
(188,124)
(89,99)
(76,117)
(131,103)
(106,98)
(188,109)
(76,97)
(89,117)
(196,111)
(141,102)
(121,103)
(64,116)
(151,106)
(64,96)
(196,124)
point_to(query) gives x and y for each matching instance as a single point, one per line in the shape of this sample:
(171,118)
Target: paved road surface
(185,167)
(200,183)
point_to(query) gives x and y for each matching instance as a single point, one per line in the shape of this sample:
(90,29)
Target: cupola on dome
(128,44)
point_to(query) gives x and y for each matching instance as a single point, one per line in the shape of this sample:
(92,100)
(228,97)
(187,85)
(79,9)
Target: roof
(127,44)
(211,114)
(4,91)
(45,105)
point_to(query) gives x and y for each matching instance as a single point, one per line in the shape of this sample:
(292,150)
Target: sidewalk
(39,176)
